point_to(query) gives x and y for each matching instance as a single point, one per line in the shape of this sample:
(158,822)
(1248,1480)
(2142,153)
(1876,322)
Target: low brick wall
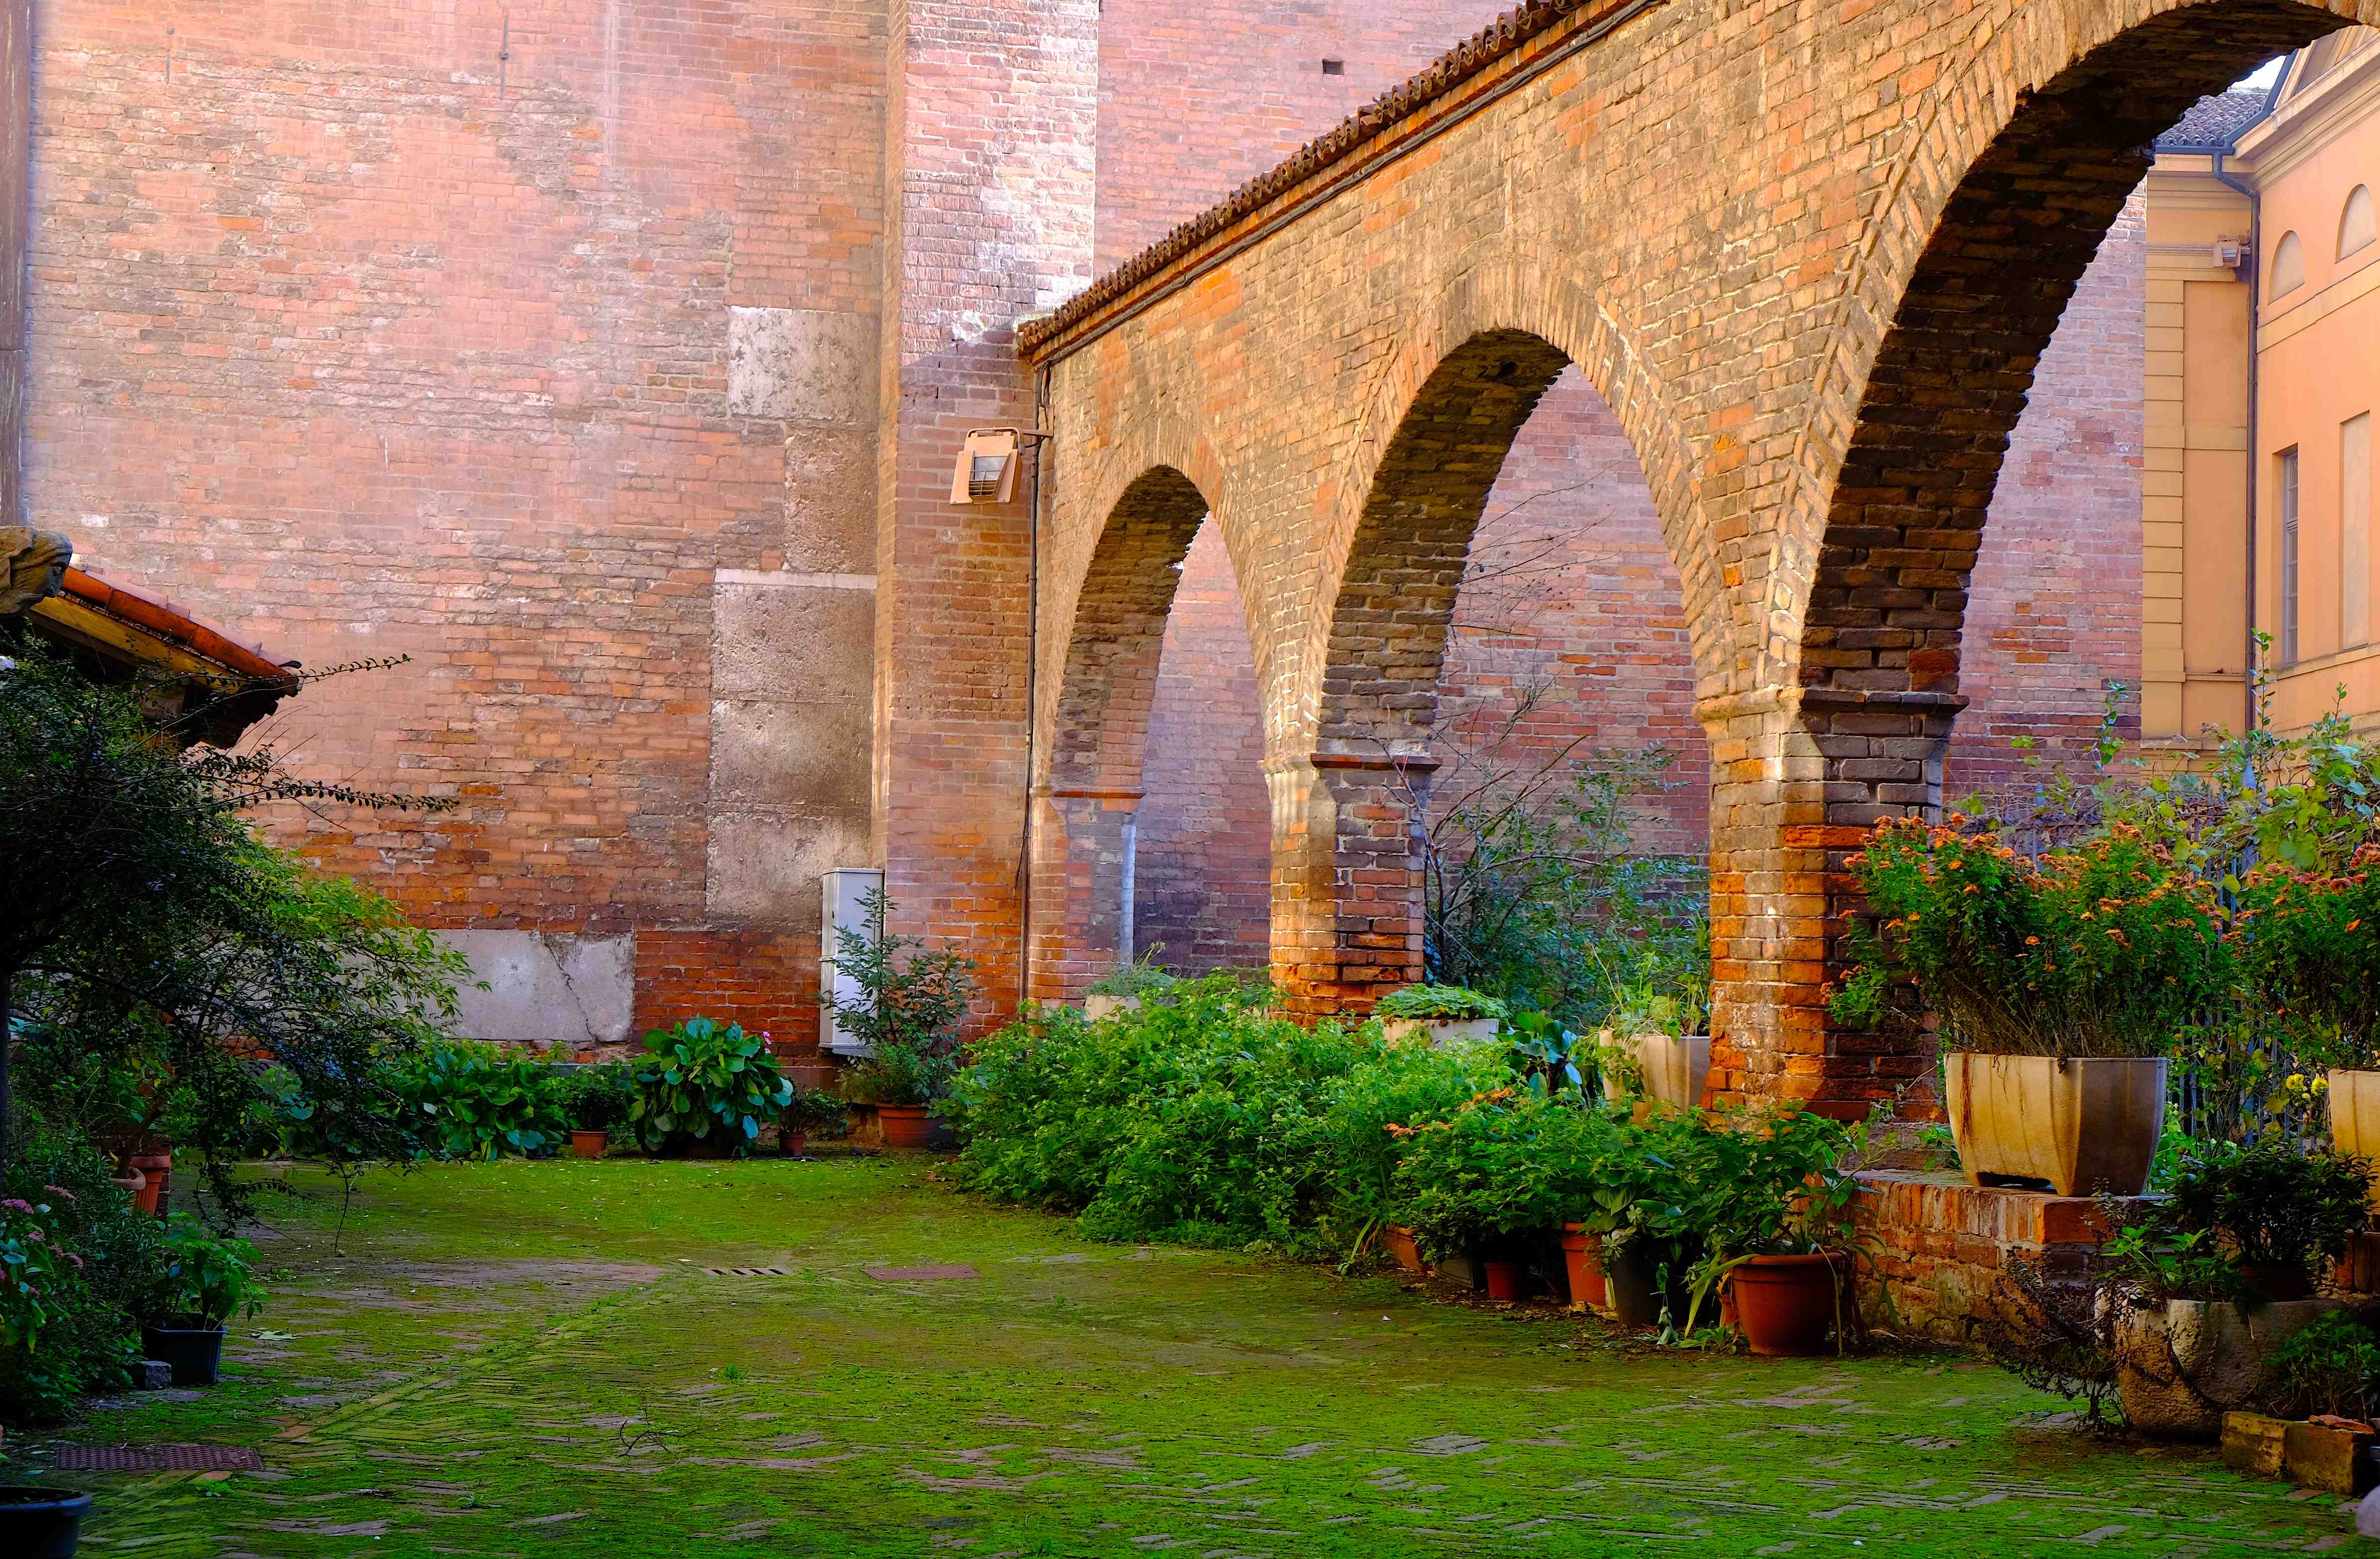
(1934,1245)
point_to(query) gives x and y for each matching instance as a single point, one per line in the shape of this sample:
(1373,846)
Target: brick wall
(364,342)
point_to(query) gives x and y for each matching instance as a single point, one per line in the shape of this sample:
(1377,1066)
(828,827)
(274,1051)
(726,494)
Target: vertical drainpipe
(1032,689)
(2252,265)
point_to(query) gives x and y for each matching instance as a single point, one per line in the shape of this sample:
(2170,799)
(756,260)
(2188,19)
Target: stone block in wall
(803,365)
(765,863)
(831,501)
(547,987)
(779,640)
(771,753)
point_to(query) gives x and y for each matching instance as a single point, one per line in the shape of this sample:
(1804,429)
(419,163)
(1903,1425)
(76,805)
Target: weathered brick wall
(362,341)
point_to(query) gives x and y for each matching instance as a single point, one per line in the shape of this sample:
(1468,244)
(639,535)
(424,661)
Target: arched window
(2289,266)
(2355,222)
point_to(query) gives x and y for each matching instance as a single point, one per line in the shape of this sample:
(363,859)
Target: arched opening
(2288,267)
(1887,638)
(1508,624)
(1090,793)
(2355,220)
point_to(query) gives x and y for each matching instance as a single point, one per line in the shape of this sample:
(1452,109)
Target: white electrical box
(841,903)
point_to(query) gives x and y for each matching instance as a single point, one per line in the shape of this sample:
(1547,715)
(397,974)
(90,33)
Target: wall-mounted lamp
(986,472)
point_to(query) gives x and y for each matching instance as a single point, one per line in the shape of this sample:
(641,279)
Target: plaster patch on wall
(803,365)
(547,986)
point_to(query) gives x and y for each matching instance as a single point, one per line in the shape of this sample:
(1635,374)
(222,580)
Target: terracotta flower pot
(793,1144)
(1786,1305)
(1677,1069)
(1506,1280)
(589,1144)
(157,1169)
(2083,1125)
(133,1181)
(906,1127)
(1583,1256)
(1399,1242)
(2279,1283)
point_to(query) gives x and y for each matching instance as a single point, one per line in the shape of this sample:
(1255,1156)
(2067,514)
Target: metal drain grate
(746,1272)
(159,1458)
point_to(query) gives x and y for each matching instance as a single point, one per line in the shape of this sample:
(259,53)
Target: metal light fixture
(986,472)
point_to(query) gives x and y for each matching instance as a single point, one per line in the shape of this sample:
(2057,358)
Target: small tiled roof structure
(224,686)
(2217,123)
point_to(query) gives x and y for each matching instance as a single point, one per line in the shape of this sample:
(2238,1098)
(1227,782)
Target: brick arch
(1990,221)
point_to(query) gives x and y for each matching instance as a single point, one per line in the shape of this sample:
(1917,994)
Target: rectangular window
(2355,531)
(2285,481)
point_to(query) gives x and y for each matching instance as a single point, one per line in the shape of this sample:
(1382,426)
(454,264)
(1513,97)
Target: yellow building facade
(2263,374)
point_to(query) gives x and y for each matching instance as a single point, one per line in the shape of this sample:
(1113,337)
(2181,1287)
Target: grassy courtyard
(532,1359)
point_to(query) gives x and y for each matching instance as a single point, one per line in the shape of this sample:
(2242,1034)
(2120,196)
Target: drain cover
(158,1458)
(919,1275)
(746,1272)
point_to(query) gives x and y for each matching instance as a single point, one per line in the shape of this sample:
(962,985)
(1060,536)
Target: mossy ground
(529,1359)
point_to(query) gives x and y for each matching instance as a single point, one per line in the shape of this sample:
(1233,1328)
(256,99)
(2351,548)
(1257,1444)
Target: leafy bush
(2310,940)
(95,1268)
(1139,978)
(1438,1004)
(2271,1205)
(208,1278)
(911,999)
(2331,1365)
(1483,1180)
(597,1098)
(483,1101)
(2103,947)
(704,1078)
(815,1109)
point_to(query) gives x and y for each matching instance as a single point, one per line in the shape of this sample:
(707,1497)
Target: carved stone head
(32,566)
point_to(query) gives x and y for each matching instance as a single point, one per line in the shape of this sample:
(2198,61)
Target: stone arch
(1996,210)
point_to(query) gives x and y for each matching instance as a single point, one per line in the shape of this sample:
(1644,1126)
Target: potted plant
(2310,941)
(1438,1014)
(1655,1042)
(703,1087)
(2060,983)
(907,1001)
(810,1109)
(1772,1206)
(1121,989)
(1632,1186)
(598,1100)
(38,1523)
(1480,1185)
(2211,1279)
(207,1280)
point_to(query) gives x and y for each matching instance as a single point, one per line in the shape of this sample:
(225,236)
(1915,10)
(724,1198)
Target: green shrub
(911,998)
(597,1098)
(1438,1004)
(96,1269)
(1139,978)
(2310,940)
(2272,1205)
(476,1100)
(1487,1179)
(2331,1365)
(815,1110)
(705,1081)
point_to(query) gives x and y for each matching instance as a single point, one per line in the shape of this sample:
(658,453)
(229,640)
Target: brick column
(1346,878)
(1798,778)
(16,215)
(991,120)
(1082,858)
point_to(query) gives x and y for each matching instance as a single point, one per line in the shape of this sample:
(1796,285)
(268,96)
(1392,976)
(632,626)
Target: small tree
(907,1010)
(148,927)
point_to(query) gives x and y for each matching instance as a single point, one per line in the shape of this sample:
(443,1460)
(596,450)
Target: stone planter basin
(1677,1068)
(1438,1031)
(2180,1369)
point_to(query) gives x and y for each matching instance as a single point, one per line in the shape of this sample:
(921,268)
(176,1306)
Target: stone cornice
(1513,51)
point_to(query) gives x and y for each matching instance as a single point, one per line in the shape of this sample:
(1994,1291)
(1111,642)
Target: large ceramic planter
(1438,1031)
(1786,1305)
(1096,1006)
(1676,1069)
(195,1353)
(1403,1249)
(2179,1369)
(2082,1125)
(38,1523)
(1583,1259)
(906,1127)
(2355,1116)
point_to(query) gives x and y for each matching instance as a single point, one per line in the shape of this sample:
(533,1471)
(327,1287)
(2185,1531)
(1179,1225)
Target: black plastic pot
(1630,1275)
(37,1523)
(196,1354)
